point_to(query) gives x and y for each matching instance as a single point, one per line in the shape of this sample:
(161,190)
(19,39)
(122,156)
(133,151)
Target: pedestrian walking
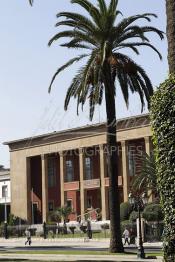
(28,235)
(132,236)
(126,236)
(89,229)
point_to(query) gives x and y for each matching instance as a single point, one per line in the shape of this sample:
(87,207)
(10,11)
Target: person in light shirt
(126,236)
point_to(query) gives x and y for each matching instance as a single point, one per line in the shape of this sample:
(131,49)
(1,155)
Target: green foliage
(100,37)
(60,213)
(163,126)
(127,224)
(147,179)
(31,2)
(125,210)
(153,212)
(15,220)
(54,217)
(63,212)
(133,216)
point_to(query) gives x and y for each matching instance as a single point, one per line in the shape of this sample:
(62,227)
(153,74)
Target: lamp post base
(5,230)
(140,252)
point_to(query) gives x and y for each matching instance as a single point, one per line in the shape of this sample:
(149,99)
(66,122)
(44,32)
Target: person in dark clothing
(132,236)
(89,230)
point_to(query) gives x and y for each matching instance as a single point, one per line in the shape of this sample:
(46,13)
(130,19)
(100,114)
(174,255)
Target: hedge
(163,126)
(153,212)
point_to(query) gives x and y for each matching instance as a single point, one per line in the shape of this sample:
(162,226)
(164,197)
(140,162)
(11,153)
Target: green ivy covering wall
(163,126)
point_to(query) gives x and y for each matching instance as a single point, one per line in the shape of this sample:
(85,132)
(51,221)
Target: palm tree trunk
(114,201)
(170,12)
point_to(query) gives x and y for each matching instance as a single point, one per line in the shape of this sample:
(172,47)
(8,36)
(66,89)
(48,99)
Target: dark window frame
(88,168)
(51,169)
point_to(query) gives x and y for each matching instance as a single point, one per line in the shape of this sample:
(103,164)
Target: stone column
(82,175)
(148,149)
(148,145)
(102,177)
(29,202)
(62,176)
(44,187)
(124,145)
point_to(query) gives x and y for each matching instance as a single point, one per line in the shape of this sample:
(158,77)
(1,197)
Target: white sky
(27,65)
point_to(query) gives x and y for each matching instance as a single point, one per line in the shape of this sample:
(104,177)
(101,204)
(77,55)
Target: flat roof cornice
(99,128)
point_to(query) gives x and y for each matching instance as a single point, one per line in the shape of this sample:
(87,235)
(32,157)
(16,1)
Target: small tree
(147,179)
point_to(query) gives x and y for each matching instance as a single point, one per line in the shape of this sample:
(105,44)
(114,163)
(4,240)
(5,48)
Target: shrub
(125,210)
(133,216)
(14,220)
(127,224)
(152,212)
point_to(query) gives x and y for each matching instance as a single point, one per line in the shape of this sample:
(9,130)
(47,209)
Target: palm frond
(79,20)
(129,20)
(147,179)
(147,29)
(98,33)
(128,45)
(112,7)
(60,69)
(73,34)
(90,8)
(76,45)
(102,6)
(31,2)
(132,45)
(122,78)
(135,78)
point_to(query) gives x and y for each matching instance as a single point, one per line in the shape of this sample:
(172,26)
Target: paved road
(132,249)
(7,247)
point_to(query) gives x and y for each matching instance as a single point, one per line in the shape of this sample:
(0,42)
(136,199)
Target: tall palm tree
(102,38)
(170,12)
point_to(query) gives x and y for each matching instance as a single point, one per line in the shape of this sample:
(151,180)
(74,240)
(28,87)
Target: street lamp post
(139,201)
(5,213)
(5,207)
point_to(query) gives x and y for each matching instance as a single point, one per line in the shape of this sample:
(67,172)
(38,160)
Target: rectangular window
(88,168)
(89,202)
(51,206)
(4,191)
(69,203)
(51,172)
(69,171)
(131,160)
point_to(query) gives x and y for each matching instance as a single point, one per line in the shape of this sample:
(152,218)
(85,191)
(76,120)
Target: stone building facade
(70,167)
(5,193)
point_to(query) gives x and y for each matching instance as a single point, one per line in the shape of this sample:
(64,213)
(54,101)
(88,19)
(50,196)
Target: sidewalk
(69,244)
(105,258)
(102,242)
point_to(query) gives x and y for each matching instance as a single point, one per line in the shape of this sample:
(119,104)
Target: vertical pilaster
(124,145)
(29,203)
(102,177)
(148,149)
(82,171)
(148,145)
(44,188)
(62,176)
